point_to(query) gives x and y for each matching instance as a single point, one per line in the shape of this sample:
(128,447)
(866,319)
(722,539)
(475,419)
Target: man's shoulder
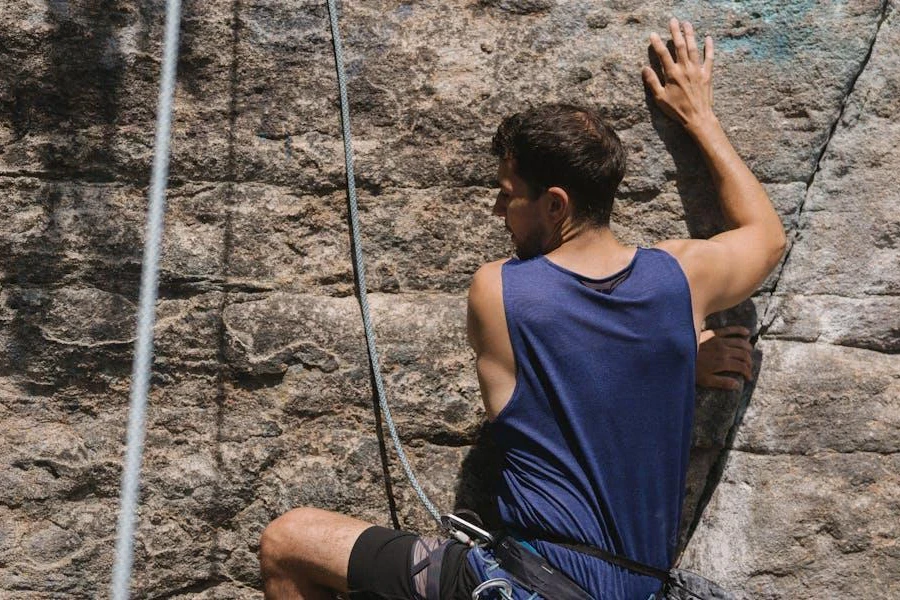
(688,252)
(676,248)
(489,273)
(486,289)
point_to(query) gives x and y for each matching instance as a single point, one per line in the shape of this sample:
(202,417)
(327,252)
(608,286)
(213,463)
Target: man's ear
(558,203)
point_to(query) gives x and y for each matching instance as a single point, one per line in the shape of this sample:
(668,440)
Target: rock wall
(261,397)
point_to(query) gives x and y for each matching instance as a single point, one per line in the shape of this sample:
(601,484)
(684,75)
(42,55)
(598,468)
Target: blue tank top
(596,436)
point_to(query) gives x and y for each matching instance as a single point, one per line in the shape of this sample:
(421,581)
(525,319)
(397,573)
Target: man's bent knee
(310,543)
(283,541)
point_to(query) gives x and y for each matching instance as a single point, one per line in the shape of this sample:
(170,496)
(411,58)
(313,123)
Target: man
(585,353)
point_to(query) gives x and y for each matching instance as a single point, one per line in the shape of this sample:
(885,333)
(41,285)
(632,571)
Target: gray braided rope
(143,349)
(360,268)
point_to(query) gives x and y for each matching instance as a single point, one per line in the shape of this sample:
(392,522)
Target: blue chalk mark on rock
(763,30)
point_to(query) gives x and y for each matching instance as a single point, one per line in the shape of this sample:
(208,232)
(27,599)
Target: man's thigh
(388,564)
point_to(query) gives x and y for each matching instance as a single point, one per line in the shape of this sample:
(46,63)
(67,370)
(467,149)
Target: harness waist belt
(534,572)
(610,557)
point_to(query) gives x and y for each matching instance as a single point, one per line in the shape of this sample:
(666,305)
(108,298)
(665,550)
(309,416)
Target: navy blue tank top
(596,436)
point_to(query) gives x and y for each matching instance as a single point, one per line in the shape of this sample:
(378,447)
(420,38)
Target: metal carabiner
(505,588)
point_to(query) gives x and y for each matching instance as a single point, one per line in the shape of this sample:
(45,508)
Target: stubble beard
(529,247)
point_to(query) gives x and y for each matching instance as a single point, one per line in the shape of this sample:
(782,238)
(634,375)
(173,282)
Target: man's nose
(499,207)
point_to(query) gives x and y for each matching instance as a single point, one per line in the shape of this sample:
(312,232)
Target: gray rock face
(261,398)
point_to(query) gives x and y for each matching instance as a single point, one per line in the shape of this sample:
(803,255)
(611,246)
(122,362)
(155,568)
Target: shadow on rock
(74,106)
(477,479)
(717,417)
(81,93)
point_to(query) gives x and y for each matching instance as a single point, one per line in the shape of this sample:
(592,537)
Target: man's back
(595,437)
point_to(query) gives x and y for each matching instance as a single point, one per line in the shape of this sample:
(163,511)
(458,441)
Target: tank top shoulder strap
(520,280)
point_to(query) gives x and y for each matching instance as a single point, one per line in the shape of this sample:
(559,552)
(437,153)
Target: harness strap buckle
(466,532)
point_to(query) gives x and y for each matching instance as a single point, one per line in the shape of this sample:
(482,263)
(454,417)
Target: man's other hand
(722,352)
(685,93)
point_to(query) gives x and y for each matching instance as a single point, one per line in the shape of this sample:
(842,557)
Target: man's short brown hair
(565,146)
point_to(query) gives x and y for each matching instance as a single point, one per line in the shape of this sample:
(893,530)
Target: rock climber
(586,355)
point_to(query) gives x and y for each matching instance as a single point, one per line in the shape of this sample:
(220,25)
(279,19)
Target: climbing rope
(143,349)
(359,267)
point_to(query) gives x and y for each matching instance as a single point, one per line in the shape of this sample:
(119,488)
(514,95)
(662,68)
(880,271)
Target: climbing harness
(518,560)
(676,584)
(529,569)
(143,350)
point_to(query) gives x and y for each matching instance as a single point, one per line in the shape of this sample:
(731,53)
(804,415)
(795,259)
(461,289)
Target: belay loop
(504,587)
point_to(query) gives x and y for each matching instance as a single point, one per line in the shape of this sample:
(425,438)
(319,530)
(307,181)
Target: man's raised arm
(729,267)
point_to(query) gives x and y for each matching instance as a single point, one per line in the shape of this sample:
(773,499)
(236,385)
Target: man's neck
(590,250)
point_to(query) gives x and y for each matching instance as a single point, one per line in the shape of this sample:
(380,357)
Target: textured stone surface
(818,525)
(847,401)
(806,502)
(261,397)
